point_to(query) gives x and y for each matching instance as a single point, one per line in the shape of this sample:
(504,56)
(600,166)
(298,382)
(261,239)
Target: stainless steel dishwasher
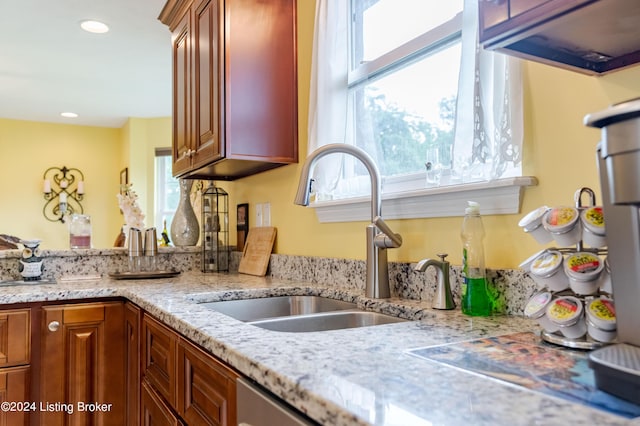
(256,407)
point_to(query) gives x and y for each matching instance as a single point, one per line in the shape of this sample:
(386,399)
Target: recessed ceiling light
(69,114)
(94,26)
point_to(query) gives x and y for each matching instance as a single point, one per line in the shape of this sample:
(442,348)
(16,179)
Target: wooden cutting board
(257,251)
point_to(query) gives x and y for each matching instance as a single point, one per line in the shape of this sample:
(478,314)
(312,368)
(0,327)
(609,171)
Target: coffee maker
(617,367)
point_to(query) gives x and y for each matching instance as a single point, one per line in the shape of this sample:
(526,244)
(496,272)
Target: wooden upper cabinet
(208,24)
(588,36)
(235,86)
(183,128)
(82,361)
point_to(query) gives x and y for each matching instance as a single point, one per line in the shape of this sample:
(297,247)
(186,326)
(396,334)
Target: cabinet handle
(54,326)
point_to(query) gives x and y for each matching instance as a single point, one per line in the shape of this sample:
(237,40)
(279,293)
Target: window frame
(409,197)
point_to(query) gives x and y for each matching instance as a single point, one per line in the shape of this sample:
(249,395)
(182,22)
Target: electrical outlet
(266,214)
(259,215)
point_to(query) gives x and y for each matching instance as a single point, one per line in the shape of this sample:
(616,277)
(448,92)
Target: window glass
(167,192)
(383,25)
(407,112)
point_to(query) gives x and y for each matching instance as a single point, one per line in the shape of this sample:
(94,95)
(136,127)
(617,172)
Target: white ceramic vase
(185,230)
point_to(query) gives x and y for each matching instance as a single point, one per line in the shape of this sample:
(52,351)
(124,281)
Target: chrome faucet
(442,298)
(379,236)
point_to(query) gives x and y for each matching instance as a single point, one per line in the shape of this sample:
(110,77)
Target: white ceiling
(49,65)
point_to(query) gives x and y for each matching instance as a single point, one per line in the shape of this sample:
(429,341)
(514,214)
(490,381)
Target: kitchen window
(167,189)
(397,78)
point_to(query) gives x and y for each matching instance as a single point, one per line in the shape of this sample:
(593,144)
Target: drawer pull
(54,326)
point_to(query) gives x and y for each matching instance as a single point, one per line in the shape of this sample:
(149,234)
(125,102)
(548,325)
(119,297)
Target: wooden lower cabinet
(132,326)
(14,389)
(159,358)
(82,364)
(199,389)
(15,371)
(206,388)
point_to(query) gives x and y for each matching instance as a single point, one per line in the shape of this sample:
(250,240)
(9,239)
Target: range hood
(589,36)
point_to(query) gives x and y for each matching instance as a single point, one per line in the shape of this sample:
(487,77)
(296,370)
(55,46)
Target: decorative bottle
(185,230)
(475,299)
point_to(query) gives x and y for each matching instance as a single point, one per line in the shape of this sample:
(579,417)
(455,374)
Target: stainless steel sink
(279,306)
(299,313)
(326,321)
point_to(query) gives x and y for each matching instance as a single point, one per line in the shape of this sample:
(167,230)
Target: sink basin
(280,306)
(326,321)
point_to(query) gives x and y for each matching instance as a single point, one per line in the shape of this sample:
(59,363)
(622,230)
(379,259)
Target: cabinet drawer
(206,388)
(159,358)
(15,337)
(154,410)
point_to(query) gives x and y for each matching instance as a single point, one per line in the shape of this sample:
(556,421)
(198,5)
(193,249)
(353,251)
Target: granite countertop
(342,377)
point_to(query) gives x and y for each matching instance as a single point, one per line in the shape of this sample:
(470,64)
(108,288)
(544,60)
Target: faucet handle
(390,239)
(442,256)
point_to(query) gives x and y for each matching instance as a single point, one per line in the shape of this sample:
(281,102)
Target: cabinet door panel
(82,362)
(154,411)
(206,388)
(207,51)
(182,96)
(14,387)
(159,358)
(261,81)
(15,337)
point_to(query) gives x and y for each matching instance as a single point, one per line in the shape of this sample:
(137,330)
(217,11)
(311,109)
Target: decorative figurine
(30,266)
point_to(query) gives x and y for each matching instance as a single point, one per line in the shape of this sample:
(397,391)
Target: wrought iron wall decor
(63,190)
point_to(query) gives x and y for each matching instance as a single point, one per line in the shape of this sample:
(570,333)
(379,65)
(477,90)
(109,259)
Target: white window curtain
(488,135)
(488,132)
(329,98)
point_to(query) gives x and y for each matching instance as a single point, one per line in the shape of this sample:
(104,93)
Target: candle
(81,187)
(63,197)
(47,186)
(64,183)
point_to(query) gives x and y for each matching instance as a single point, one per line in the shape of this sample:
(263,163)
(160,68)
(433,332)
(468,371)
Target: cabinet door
(206,388)
(15,337)
(159,358)
(82,362)
(261,81)
(207,35)
(132,324)
(154,411)
(14,387)
(182,96)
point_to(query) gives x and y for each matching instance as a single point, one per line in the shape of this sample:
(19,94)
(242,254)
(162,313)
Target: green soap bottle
(474,296)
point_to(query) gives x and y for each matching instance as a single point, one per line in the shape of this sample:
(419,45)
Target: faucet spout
(379,235)
(443,298)
(302,195)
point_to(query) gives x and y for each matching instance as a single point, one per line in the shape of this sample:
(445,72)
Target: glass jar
(80,231)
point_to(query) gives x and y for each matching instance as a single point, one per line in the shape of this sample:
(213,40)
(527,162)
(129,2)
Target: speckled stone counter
(342,377)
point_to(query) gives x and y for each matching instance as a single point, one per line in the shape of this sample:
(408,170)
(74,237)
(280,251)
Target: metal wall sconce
(63,190)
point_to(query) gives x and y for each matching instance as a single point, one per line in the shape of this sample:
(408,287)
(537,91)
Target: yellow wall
(144,135)
(27,149)
(559,151)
